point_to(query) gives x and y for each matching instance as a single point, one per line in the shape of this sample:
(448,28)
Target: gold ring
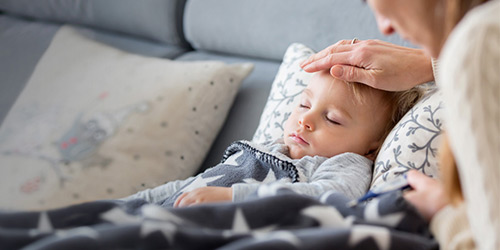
(354,40)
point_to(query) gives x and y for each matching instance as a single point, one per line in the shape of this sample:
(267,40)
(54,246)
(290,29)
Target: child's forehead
(357,92)
(324,82)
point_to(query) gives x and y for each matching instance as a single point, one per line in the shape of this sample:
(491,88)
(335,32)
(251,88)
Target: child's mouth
(298,139)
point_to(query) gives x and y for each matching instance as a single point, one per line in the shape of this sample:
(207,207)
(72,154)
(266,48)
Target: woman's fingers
(311,64)
(428,195)
(354,74)
(379,64)
(344,60)
(328,61)
(417,180)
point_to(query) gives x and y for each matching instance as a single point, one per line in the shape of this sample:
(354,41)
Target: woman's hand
(204,195)
(376,63)
(428,194)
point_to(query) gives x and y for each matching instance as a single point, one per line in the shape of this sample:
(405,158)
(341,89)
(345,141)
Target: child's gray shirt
(347,173)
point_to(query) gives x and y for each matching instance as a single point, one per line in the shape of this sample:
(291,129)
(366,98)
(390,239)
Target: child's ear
(372,150)
(371,154)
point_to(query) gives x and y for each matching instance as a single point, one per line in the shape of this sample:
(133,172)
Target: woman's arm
(376,63)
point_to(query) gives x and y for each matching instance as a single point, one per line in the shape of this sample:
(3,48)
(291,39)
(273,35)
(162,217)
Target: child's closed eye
(305,106)
(332,120)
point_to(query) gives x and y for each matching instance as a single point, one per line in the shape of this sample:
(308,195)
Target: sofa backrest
(157,20)
(265,28)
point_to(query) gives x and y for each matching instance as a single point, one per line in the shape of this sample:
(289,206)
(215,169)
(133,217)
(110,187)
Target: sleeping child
(330,142)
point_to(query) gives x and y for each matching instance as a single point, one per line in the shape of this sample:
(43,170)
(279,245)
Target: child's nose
(306,122)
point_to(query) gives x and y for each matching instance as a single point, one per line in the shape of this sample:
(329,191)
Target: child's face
(330,121)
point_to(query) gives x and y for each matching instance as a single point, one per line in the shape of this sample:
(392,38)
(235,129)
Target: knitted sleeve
(469,77)
(451,228)
(435,69)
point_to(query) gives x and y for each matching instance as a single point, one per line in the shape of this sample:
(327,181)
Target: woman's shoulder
(475,40)
(484,16)
(469,78)
(489,8)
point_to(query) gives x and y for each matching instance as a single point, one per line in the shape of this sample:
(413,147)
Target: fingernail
(337,71)
(303,63)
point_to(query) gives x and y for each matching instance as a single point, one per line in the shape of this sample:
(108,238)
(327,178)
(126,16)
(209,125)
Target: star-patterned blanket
(276,219)
(242,163)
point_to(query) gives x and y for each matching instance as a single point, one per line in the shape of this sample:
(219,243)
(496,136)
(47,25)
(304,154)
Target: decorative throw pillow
(414,141)
(95,122)
(285,91)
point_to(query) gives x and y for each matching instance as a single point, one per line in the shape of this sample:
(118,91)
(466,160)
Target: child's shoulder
(344,159)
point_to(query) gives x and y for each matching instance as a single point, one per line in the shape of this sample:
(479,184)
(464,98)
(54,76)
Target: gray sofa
(186,31)
(257,31)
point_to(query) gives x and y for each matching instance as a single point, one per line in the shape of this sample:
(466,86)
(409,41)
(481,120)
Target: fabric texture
(158,20)
(247,166)
(22,45)
(265,29)
(451,228)
(348,174)
(244,115)
(435,69)
(469,77)
(414,141)
(387,222)
(285,93)
(109,124)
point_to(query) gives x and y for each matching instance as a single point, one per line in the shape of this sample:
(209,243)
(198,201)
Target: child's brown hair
(398,103)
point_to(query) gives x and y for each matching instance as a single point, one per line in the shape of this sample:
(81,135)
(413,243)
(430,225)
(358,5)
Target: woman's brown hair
(449,173)
(456,10)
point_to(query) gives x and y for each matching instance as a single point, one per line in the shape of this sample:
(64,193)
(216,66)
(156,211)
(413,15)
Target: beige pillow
(95,122)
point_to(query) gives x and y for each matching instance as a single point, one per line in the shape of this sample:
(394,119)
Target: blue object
(400,183)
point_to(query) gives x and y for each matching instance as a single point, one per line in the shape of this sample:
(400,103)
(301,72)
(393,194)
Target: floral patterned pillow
(285,91)
(412,144)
